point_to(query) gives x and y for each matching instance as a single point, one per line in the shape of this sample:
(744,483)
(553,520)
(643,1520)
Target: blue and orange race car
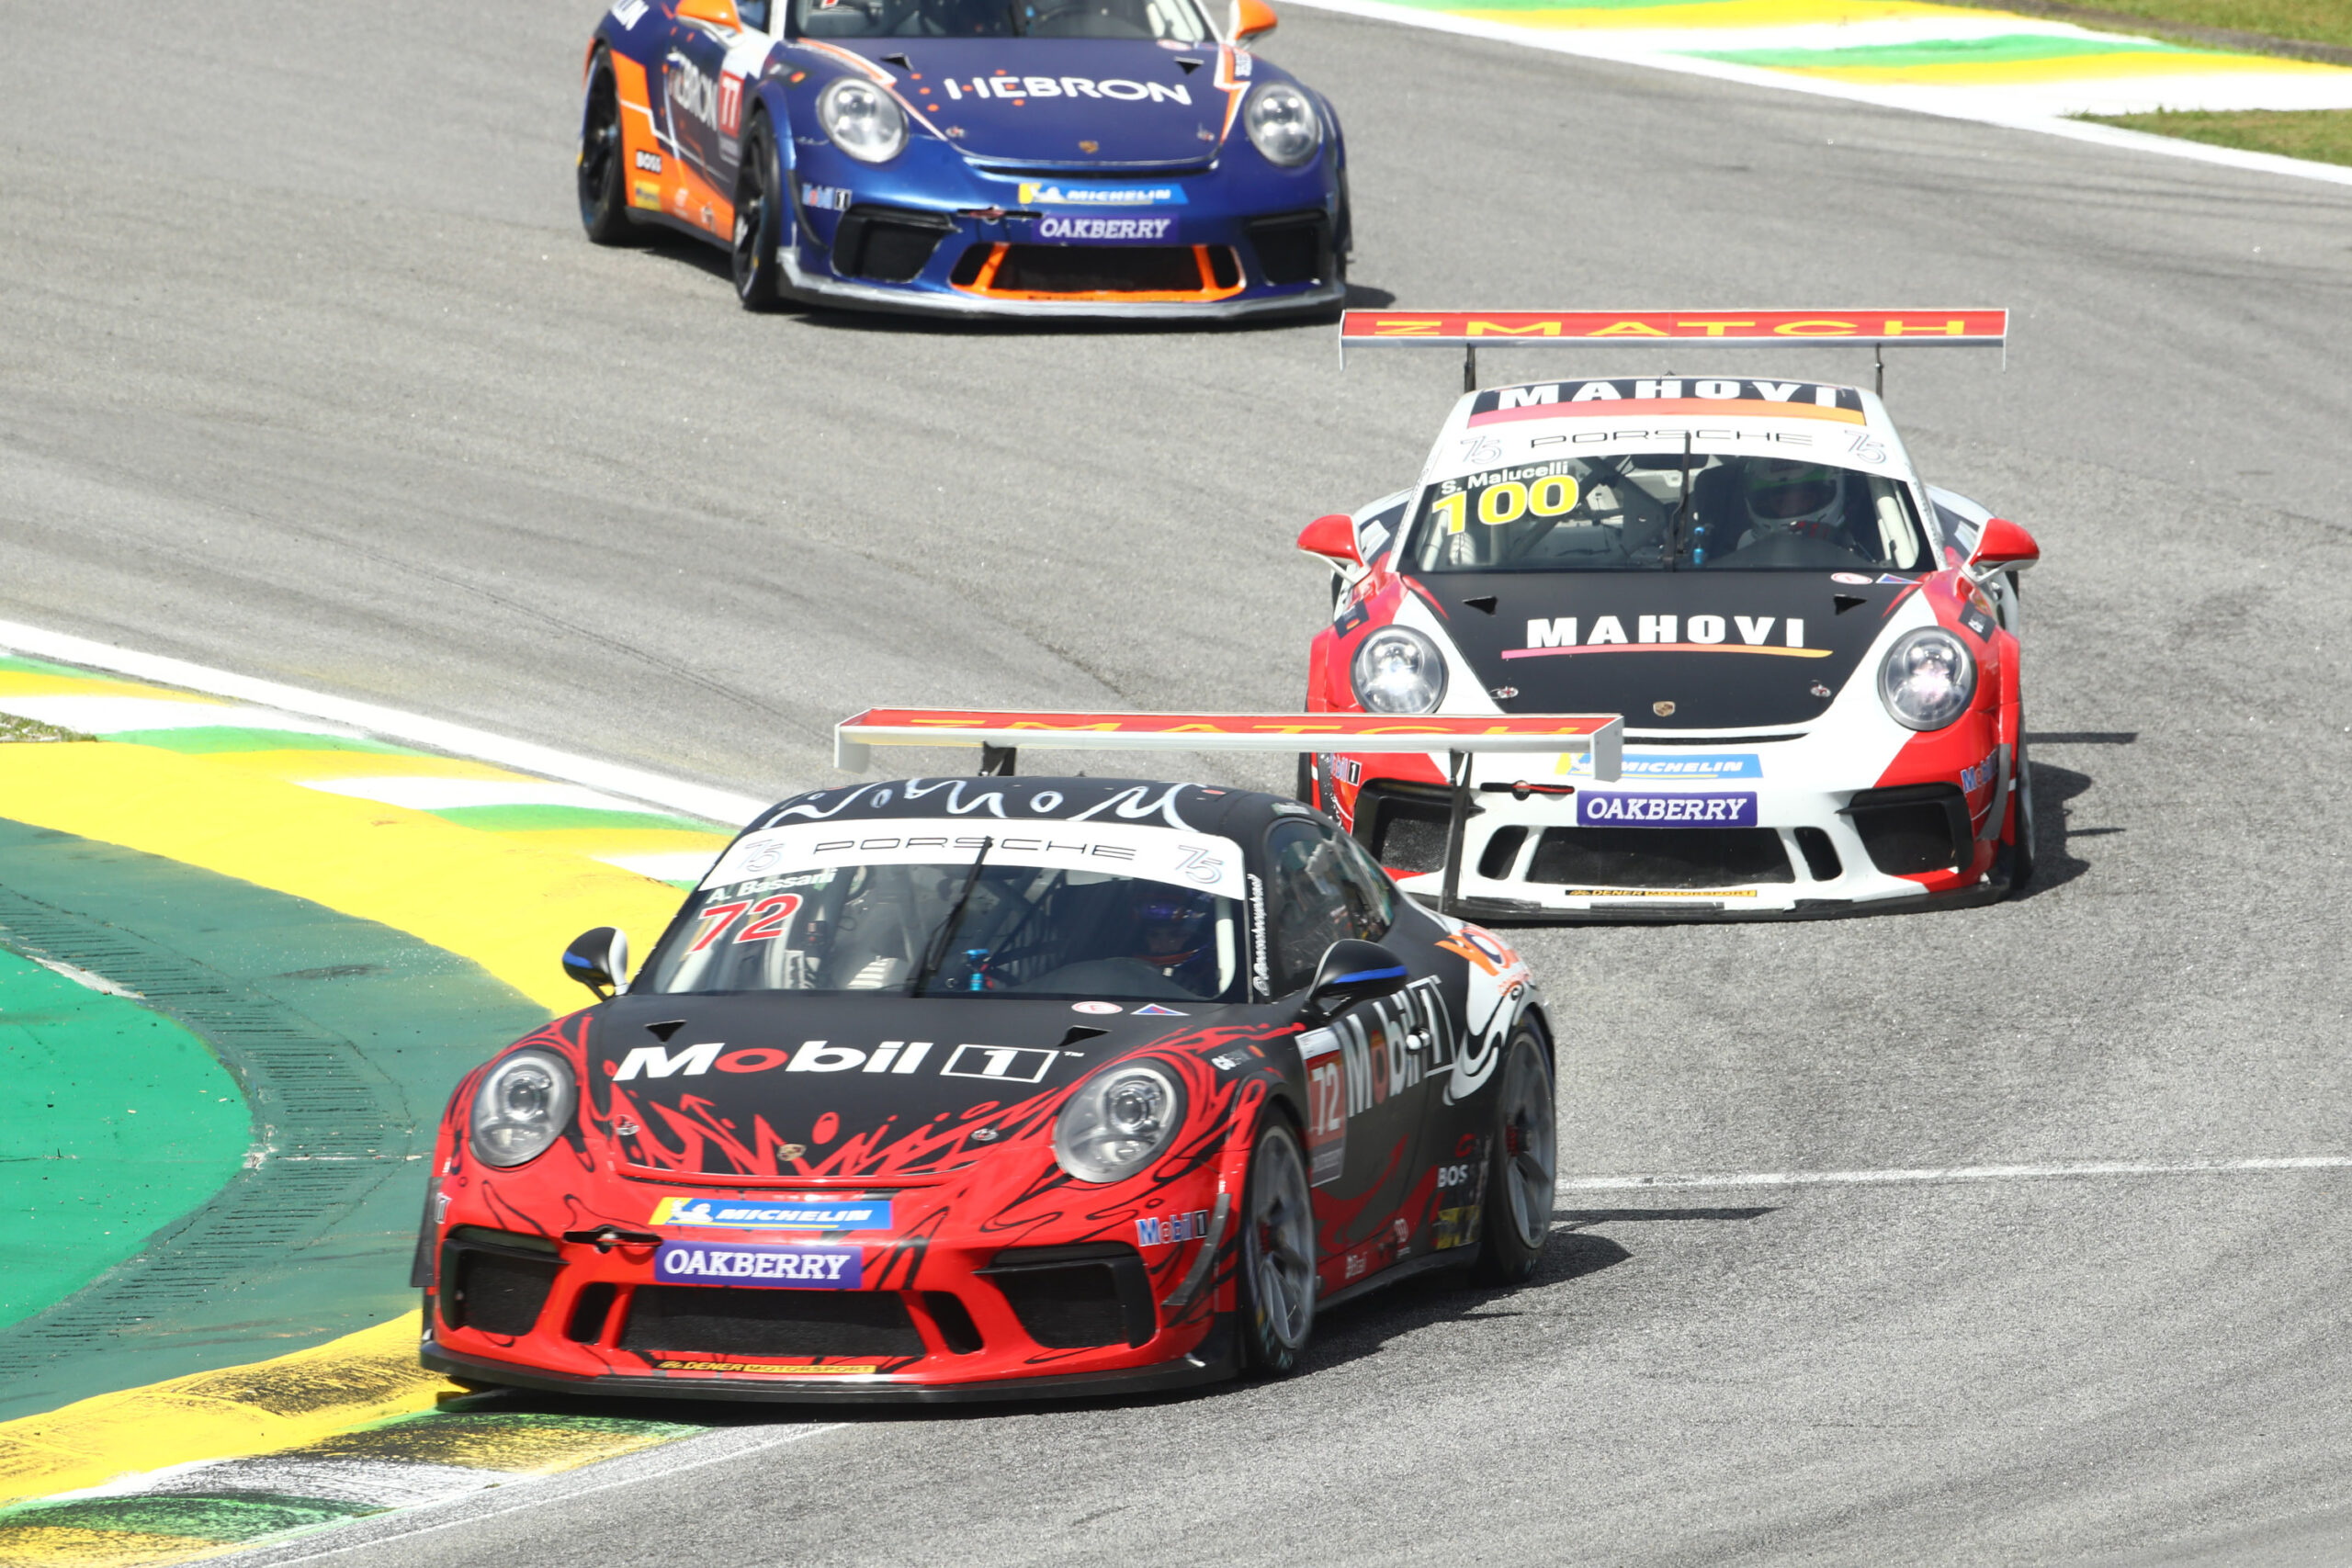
(970,157)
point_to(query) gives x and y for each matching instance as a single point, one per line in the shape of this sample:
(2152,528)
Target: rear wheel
(1522,1164)
(604,181)
(759,216)
(1277,1253)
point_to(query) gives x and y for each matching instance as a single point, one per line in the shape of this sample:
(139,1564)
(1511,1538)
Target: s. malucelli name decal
(1666,634)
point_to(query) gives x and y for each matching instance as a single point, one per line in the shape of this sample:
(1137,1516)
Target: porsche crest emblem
(1090,146)
(1664,710)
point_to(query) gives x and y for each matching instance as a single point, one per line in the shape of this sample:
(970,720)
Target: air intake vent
(723,1321)
(1071,1298)
(1913,828)
(1405,825)
(494,1281)
(1659,857)
(1294,248)
(1098,269)
(887,244)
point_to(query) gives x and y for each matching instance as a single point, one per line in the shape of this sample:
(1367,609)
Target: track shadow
(2055,830)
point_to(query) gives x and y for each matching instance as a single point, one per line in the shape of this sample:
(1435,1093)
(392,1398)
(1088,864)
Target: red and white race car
(1815,651)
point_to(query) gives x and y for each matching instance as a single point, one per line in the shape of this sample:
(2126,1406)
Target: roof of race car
(1531,421)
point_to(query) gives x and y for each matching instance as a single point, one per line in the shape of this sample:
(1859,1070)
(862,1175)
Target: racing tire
(1277,1277)
(603,174)
(1522,1163)
(2022,858)
(1305,790)
(759,219)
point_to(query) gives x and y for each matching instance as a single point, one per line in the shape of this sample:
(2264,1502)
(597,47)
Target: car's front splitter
(1218,1357)
(914,299)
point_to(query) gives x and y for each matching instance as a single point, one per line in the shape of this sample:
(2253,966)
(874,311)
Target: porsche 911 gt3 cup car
(978,1087)
(1817,652)
(1006,157)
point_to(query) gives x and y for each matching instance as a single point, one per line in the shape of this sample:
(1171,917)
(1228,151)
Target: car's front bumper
(1218,1357)
(1841,830)
(924,297)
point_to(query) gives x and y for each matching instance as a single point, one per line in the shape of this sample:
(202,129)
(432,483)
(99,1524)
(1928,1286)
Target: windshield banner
(1118,848)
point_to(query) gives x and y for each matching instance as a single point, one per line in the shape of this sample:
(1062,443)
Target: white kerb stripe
(391,724)
(1952,1173)
(114,716)
(452,795)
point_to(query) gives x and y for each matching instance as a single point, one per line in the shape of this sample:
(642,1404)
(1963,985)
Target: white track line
(525,1492)
(391,724)
(1952,1173)
(1920,100)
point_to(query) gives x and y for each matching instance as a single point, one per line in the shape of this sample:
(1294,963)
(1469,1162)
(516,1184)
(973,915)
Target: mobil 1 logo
(1372,1051)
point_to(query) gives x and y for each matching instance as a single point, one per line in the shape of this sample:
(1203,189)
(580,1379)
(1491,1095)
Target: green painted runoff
(114,1121)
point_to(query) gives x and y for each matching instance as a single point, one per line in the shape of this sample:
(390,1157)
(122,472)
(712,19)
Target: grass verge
(2309,21)
(14,728)
(2323,135)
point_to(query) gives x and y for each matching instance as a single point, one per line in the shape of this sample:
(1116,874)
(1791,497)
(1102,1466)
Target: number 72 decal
(767,920)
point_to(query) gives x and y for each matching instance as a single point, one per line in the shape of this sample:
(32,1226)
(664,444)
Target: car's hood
(1080,104)
(789,1085)
(1769,649)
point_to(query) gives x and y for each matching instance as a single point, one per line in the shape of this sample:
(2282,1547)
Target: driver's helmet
(1173,925)
(1787,497)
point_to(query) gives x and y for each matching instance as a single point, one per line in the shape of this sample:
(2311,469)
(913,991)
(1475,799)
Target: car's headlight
(864,121)
(1118,1122)
(1927,679)
(1397,670)
(1282,124)
(523,1106)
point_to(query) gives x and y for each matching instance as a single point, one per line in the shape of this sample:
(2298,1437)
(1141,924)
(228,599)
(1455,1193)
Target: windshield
(1627,511)
(1174,20)
(1036,920)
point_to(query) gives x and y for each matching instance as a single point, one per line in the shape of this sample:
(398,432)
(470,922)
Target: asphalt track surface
(307,372)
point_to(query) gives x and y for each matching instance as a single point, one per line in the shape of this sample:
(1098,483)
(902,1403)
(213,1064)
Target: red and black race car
(1817,652)
(974,1087)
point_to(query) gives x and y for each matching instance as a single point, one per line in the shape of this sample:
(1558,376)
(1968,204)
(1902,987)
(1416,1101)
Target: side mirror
(599,960)
(2002,546)
(1251,19)
(1331,537)
(1353,971)
(718,13)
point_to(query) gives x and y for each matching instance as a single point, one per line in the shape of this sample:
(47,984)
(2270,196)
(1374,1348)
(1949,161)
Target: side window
(1323,889)
(1372,897)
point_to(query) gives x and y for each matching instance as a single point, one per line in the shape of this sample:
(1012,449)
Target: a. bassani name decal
(1711,395)
(1668,634)
(1373,1050)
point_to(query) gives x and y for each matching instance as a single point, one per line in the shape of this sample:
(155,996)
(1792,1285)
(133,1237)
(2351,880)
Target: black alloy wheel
(1278,1279)
(1522,1163)
(603,178)
(758,213)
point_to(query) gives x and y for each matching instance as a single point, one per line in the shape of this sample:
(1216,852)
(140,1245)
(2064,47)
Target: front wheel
(1277,1253)
(2022,823)
(604,181)
(1522,1164)
(759,217)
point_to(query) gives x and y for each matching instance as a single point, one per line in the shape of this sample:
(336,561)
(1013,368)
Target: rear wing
(998,735)
(1471,330)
